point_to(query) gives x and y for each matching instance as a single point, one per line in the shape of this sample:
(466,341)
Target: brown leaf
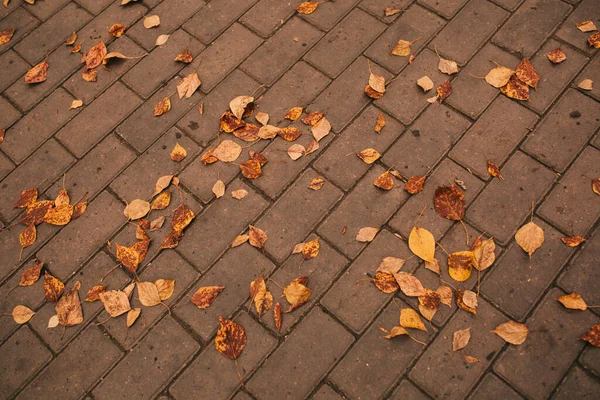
(593,336)
(380,123)
(422,243)
(278,316)
(27,198)
(230,339)
(227,151)
(512,332)
(132,316)
(22,314)
(239,194)
(366,234)
(484,254)
(321,129)
(188,85)
(218,189)
(89,75)
(449,202)
(390,265)
(556,56)
(311,249)
(239,104)
(289,134)
(262,117)
(372,93)
(182,217)
(527,73)
(31,274)
(596,185)
(71,39)
(209,156)
(573,301)
(447,66)
(162,183)
(494,171)
(148,294)
(293,113)
(409,284)
(162,39)
(469,299)
(586,26)
(163,107)
(68,308)
(157,223)
(79,209)
(460,265)
(53,287)
(385,282)
(312,147)
(444,90)
(391,11)
(94,293)
(75,49)
(95,56)
(35,213)
(530,237)
(430,300)
(312,118)
(117,30)
(572,241)
(461,304)
(377,82)
(38,73)
(384,181)
(262,298)
(425,83)
(116,302)
(6,35)
(185,56)
(402,48)
(460,339)
(162,201)
(433,266)
(316,183)
(308,7)
(410,319)
(594,40)
(248,133)
(369,156)
(151,21)
(251,169)
(297,293)
(445,295)
(137,209)
(415,184)
(178,153)
(165,288)
(586,84)
(499,76)
(59,215)
(515,89)
(28,236)
(2,132)
(258,237)
(205,296)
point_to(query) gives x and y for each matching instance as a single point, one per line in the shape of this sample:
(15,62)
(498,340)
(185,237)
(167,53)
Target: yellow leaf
(422,243)
(512,332)
(410,319)
(573,301)
(530,237)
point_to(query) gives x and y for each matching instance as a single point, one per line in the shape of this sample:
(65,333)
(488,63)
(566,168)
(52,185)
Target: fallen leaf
(76,49)
(385,282)
(70,41)
(311,249)
(321,129)
(248,133)
(163,107)
(430,300)
(425,83)
(422,243)
(262,298)
(148,294)
(188,85)
(389,11)
(593,336)
(402,48)
(151,21)
(445,295)
(53,322)
(205,296)
(95,56)
(76,104)
(312,118)
(312,147)
(494,171)
(162,201)
(157,223)
(165,288)
(185,56)
(460,265)
(218,189)
(227,151)
(384,181)
(380,123)
(132,316)
(162,183)
(2,132)
(22,314)
(31,274)
(293,113)
(391,265)
(469,299)
(251,169)
(594,40)
(35,213)
(409,284)
(94,293)
(530,237)
(460,339)
(515,89)
(444,90)
(369,156)
(289,134)
(258,237)
(433,99)
(182,217)
(239,240)
(372,93)
(596,185)
(136,209)
(499,76)
(415,184)
(297,293)
(68,308)
(556,56)
(586,84)
(116,302)
(484,254)
(117,30)
(433,266)
(447,66)
(377,82)
(308,7)
(366,234)
(572,241)
(230,339)
(27,237)
(278,316)
(410,319)
(178,153)
(89,75)
(262,117)
(573,301)
(239,194)
(296,151)
(586,26)
(53,287)
(449,202)
(512,332)
(268,131)
(461,304)
(527,73)
(129,257)
(316,183)
(239,104)
(37,74)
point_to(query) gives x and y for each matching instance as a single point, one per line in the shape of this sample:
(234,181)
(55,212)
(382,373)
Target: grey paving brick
(592,71)
(586,11)
(408,391)
(493,388)
(22,22)
(377,7)
(215,17)
(446,8)
(44,9)
(97,29)
(268,15)
(95,6)
(330,13)
(326,393)
(9,114)
(13,66)
(579,385)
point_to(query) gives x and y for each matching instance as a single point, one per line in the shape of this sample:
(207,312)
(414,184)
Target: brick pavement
(113,149)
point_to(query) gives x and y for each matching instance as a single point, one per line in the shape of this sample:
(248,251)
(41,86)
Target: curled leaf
(68,308)
(262,298)
(163,107)
(572,241)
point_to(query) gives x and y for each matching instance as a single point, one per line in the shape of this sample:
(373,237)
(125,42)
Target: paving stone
(44,9)
(553,80)
(443,175)
(236,281)
(97,29)
(148,367)
(443,373)
(526,180)
(223,55)
(464,86)
(13,66)
(242,396)
(345,97)
(415,23)
(510,5)
(350,37)
(517,282)
(378,206)
(215,17)
(95,6)
(67,251)
(296,88)
(282,170)
(492,388)
(446,8)
(268,15)
(95,120)
(590,358)
(403,99)
(139,179)
(471,28)
(23,355)
(374,364)
(203,128)
(279,376)
(322,271)
(11,6)
(213,232)
(433,133)
(52,33)
(586,11)
(23,23)
(339,162)
(408,391)
(9,114)
(40,170)
(330,13)
(516,36)
(92,353)
(376,8)
(90,276)
(353,298)
(563,205)
(213,376)
(283,48)
(172,14)
(326,393)
(578,385)
(538,365)
(6,166)
(550,143)
(592,71)
(580,276)
(87,91)
(158,67)
(168,265)
(492,138)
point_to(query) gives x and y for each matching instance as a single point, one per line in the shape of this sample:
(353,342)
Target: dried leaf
(572,241)
(95,56)
(278,316)
(395,331)
(239,194)
(594,40)
(268,131)
(2,132)
(391,11)
(28,236)
(311,249)
(312,118)
(248,133)
(296,151)
(380,123)
(321,129)
(89,75)
(415,184)
(70,41)
(182,217)
(469,299)
(132,316)
(53,322)
(366,234)
(377,82)
(258,237)
(447,66)
(484,254)
(530,237)
(162,183)
(151,21)
(372,93)
(136,209)
(384,181)
(556,56)
(38,73)
(148,294)
(162,201)
(593,336)
(293,113)
(527,73)
(512,332)
(312,147)
(117,30)
(68,308)
(425,83)
(316,183)
(308,7)
(430,300)
(586,84)
(390,265)
(262,298)
(251,169)
(422,243)
(36,212)
(205,296)
(262,117)
(596,185)
(460,339)
(185,56)
(162,39)
(230,339)
(94,293)
(297,293)
(445,295)
(227,151)
(157,223)
(402,48)
(573,301)
(75,49)
(369,156)
(449,202)
(76,104)
(22,314)
(410,319)
(239,240)
(178,153)
(163,107)
(218,189)
(433,266)
(586,26)
(499,76)
(515,89)
(409,284)
(188,85)
(461,304)
(494,171)
(289,134)
(239,104)
(53,287)
(444,90)
(460,265)
(385,282)
(165,288)
(116,302)
(31,275)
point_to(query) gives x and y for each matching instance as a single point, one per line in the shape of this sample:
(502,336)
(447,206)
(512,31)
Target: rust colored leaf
(449,202)
(460,339)
(188,85)
(594,40)
(293,113)
(573,301)
(27,198)
(316,183)
(527,73)
(162,201)
(369,156)
(384,181)
(116,302)
(117,30)
(262,298)
(494,171)
(596,185)
(230,339)
(593,336)
(89,75)
(178,153)
(129,257)
(185,56)
(205,296)
(415,184)
(239,240)
(251,169)
(516,89)
(28,236)
(460,265)
(530,237)
(2,133)
(572,241)
(171,240)
(380,123)
(410,319)
(6,35)
(278,316)
(182,217)
(385,282)
(312,118)
(165,288)
(289,134)
(512,332)
(444,90)
(38,73)
(209,156)
(431,299)
(372,93)
(409,284)
(31,274)
(308,7)
(35,213)
(163,107)
(95,56)
(248,133)
(297,293)
(556,56)
(53,287)
(68,308)
(258,237)
(94,293)
(311,249)
(76,49)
